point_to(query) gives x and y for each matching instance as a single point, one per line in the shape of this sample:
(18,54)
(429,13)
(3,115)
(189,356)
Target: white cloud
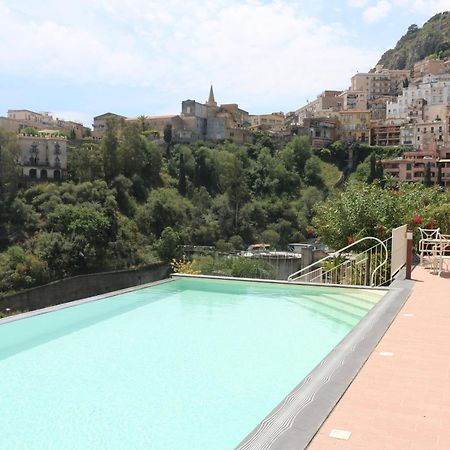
(254,52)
(428,7)
(378,11)
(357,3)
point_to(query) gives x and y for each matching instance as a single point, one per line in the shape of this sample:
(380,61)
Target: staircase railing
(366,268)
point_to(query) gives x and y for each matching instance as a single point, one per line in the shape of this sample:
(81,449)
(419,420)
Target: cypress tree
(372,174)
(379,171)
(439,175)
(427,178)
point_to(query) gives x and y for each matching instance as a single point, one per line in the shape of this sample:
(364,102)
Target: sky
(81,58)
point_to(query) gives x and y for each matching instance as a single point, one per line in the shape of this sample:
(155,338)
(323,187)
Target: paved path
(401,397)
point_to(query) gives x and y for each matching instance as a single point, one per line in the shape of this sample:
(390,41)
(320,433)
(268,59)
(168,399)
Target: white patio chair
(426,244)
(440,255)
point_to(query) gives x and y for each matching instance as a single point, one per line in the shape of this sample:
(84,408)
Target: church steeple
(211,100)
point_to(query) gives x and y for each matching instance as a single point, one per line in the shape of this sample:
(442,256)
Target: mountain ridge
(432,40)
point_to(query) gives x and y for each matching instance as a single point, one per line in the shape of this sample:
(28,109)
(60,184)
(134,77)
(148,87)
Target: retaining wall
(82,286)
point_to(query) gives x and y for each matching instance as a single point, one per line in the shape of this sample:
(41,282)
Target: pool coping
(294,422)
(94,298)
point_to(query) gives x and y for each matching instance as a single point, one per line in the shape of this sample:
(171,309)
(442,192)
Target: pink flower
(417,220)
(350,240)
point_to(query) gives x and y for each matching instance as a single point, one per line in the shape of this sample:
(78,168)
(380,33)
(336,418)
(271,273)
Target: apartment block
(430,67)
(43,157)
(327,101)
(322,130)
(353,99)
(355,125)
(431,90)
(413,165)
(268,122)
(385,135)
(426,131)
(379,83)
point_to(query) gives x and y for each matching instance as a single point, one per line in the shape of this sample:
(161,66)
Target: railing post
(409,253)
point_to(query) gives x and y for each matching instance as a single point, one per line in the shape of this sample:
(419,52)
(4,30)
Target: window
(408,176)
(408,166)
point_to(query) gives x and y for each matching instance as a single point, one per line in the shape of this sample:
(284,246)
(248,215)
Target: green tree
(379,171)
(109,148)
(373,168)
(9,167)
(85,163)
(313,172)
(182,176)
(168,137)
(439,181)
(301,148)
(165,207)
(132,151)
(167,244)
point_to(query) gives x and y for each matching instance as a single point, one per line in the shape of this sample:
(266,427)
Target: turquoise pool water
(192,364)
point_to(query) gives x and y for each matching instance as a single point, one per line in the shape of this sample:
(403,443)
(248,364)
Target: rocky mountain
(432,40)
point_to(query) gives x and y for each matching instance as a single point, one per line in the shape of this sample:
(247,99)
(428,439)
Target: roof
(108,114)
(27,110)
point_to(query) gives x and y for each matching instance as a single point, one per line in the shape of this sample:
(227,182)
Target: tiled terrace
(401,397)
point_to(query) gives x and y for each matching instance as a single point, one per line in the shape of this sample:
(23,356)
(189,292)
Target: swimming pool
(187,364)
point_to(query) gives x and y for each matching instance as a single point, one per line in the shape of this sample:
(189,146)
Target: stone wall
(82,286)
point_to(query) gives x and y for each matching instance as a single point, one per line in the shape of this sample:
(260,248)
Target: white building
(432,90)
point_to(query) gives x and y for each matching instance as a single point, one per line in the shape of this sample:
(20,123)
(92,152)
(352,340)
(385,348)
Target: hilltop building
(326,102)
(267,122)
(18,119)
(99,125)
(413,164)
(379,83)
(202,121)
(43,157)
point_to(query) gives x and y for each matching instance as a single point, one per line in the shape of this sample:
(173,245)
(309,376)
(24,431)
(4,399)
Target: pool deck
(401,397)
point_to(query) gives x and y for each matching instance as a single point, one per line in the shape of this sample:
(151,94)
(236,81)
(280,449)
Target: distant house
(100,121)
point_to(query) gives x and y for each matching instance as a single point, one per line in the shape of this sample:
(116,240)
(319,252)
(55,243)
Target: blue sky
(82,58)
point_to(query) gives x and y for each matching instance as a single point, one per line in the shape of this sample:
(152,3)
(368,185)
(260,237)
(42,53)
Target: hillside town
(383,107)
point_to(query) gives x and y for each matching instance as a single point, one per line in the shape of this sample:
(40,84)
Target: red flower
(417,220)
(430,225)
(379,229)
(350,240)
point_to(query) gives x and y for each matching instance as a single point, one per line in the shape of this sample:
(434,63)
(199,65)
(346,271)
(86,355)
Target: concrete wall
(82,286)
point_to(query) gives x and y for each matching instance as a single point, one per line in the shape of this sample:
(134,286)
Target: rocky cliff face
(432,40)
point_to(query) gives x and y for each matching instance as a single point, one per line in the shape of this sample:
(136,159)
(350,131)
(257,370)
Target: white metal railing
(367,268)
